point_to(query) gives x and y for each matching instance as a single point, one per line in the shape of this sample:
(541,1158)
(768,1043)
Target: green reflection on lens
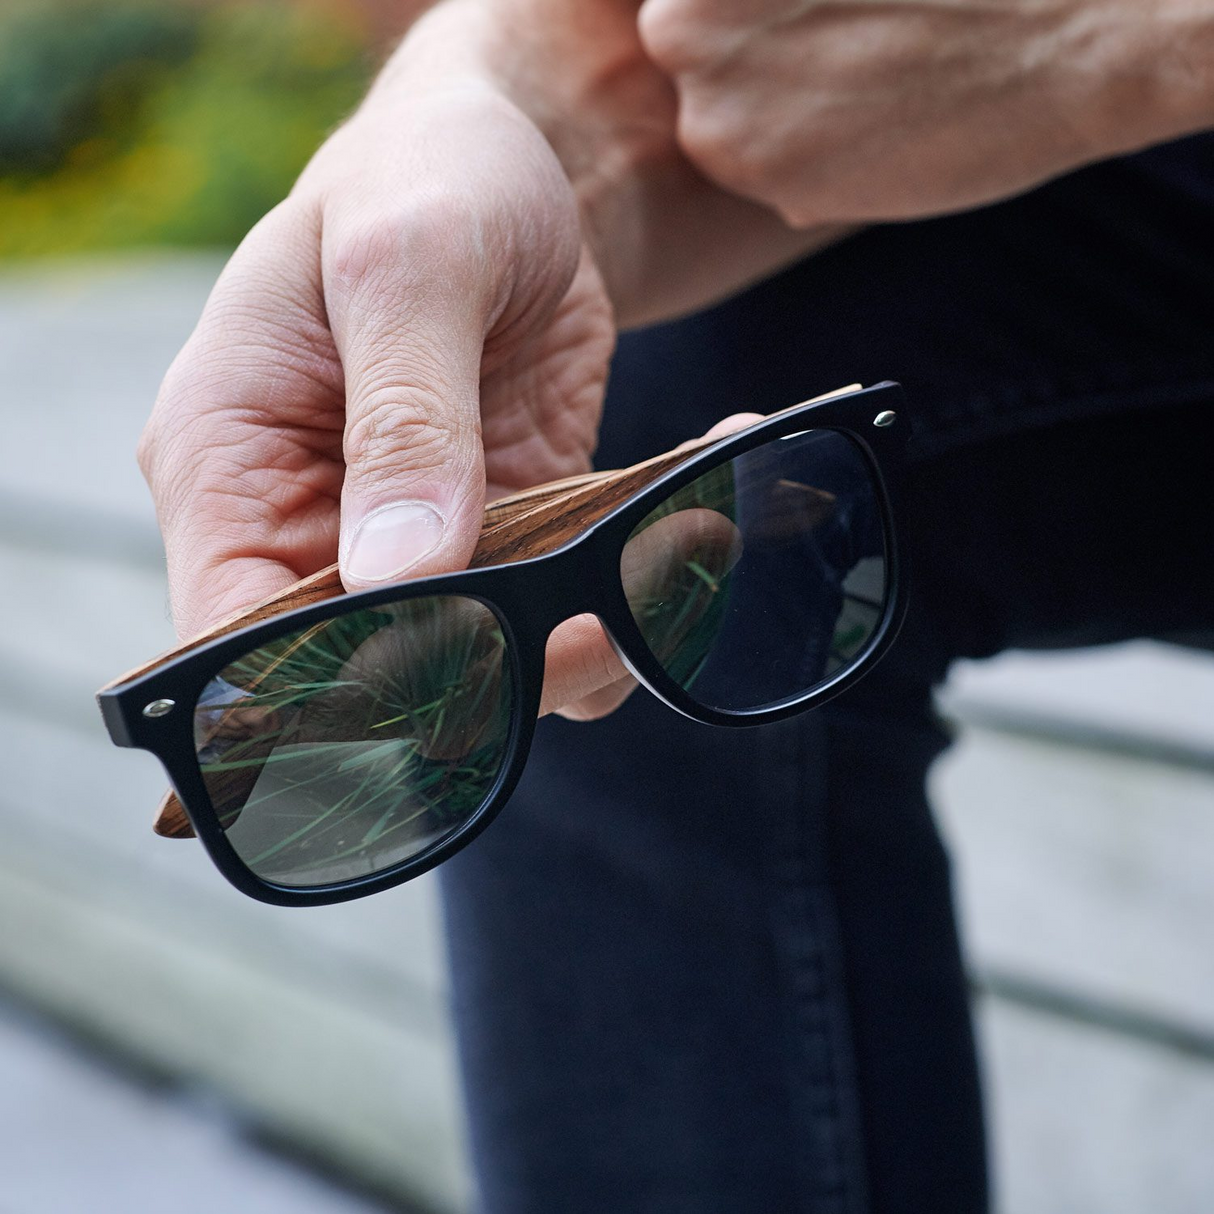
(675,569)
(344,748)
(765,576)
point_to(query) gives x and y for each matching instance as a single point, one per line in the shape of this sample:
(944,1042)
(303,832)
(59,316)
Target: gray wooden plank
(1085,1122)
(361,1086)
(1094,873)
(1087,873)
(78,1138)
(1149,697)
(85,818)
(83,347)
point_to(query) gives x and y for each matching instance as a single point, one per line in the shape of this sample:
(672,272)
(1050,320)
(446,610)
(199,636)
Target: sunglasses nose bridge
(568,583)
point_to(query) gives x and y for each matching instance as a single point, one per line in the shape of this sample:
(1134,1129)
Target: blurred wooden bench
(1079,803)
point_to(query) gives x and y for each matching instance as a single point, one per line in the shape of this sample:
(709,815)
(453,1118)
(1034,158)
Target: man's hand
(423,321)
(858,112)
(418,319)
(584,679)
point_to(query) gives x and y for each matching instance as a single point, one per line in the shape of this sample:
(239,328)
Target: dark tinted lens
(765,576)
(349,746)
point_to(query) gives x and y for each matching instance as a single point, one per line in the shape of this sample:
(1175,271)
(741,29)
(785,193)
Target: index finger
(243,448)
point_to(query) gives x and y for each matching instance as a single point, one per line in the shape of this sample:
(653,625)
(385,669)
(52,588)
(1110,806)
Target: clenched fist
(856,111)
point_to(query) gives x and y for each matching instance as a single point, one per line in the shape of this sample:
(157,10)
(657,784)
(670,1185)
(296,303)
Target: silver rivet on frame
(159,708)
(885,419)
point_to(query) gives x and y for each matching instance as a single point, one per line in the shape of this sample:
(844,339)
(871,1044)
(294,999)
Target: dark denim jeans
(717,971)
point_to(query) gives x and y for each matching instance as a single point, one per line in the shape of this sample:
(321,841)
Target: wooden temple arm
(517,527)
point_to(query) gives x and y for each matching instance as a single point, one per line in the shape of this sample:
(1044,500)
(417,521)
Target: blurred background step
(1139,699)
(1078,802)
(195,1158)
(1087,871)
(1088,1122)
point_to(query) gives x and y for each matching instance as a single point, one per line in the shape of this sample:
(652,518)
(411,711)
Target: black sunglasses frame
(529,598)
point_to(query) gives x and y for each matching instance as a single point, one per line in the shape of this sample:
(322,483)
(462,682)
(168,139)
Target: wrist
(1145,67)
(1185,83)
(577,71)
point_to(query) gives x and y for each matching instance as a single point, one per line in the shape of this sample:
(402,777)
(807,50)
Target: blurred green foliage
(128,122)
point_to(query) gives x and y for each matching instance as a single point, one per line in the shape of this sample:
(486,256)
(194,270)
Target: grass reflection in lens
(765,576)
(347,747)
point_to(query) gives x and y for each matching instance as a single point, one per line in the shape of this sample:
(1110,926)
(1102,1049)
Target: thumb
(410,336)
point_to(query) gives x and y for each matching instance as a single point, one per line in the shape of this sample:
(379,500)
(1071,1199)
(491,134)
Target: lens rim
(529,598)
(503,697)
(636,654)
(190,785)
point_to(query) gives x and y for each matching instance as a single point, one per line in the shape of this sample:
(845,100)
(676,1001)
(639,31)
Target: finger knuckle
(401,427)
(364,247)
(594,708)
(172,401)
(294,219)
(714,136)
(429,224)
(145,451)
(277,263)
(668,30)
(720,141)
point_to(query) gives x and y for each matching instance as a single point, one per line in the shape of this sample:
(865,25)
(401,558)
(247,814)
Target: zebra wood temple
(523,525)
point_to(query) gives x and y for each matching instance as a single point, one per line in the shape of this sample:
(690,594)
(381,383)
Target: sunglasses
(325,746)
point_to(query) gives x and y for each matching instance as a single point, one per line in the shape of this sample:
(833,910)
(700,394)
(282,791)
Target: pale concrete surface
(83,347)
(1089,880)
(1092,874)
(1080,872)
(135,937)
(1084,1122)
(80,1137)
(1154,699)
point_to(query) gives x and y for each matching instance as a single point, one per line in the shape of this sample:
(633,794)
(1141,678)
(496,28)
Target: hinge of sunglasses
(522,525)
